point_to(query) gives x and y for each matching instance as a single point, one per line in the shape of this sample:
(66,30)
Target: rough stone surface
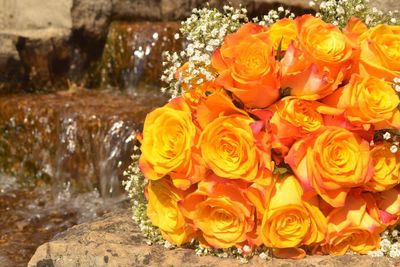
(29,17)
(46,44)
(138,10)
(115,240)
(11,69)
(91,16)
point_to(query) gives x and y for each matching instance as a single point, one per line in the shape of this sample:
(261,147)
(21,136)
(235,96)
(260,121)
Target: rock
(33,15)
(11,69)
(115,240)
(138,10)
(48,45)
(87,136)
(36,31)
(386,5)
(180,9)
(91,17)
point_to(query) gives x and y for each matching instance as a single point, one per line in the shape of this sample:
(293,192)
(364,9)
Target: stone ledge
(115,240)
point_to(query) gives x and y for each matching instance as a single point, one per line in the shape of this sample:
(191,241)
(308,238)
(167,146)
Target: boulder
(47,45)
(11,69)
(91,17)
(115,240)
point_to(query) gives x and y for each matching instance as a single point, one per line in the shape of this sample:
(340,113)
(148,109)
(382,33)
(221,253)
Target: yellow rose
(288,221)
(358,240)
(354,226)
(386,168)
(247,67)
(168,145)
(294,118)
(380,52)
(317,63)
(327,46)
(331,161)
(232,144)
(163,211)
(367,101)
(388,202)
(220,210)
(282,33)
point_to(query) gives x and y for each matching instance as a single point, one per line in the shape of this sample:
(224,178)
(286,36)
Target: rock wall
(45,45)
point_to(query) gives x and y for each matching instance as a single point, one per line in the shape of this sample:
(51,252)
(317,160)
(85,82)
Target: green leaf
(282,170)
(285,91)
(279,51)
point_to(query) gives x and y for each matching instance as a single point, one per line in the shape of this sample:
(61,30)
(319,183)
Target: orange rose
(386,168)
(282,33)
(232,144)
(163,211)
(172,152)
(295,118)
(199,93)
(368,101)
(389,205)
(290,222)
(247,66)
(380,53)
(354,226)
(315,66)
(220,210)
(330,162)
(258,195)
(354,29)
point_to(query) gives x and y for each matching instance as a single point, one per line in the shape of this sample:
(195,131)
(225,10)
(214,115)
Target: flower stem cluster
(338,12)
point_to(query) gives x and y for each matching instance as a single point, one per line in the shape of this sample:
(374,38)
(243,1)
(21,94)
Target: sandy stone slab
(115,240)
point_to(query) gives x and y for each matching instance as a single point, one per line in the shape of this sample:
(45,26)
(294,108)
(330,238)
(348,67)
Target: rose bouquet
(282,135)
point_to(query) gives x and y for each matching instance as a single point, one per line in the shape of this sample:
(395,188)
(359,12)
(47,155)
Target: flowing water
(64,154)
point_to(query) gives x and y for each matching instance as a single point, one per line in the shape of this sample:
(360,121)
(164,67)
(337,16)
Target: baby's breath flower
(338,12)
(395,233)
(263,256)
(394,149)
(246,249)
(274,15)
(387,136)
(204,32)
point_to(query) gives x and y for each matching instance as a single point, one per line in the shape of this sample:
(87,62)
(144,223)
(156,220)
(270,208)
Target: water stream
(64,154)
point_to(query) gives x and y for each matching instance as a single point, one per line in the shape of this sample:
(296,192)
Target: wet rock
(138,10)
(36,29)
(11,69)
(115,240)
(180,9)
(82,138)
(91,17)
(133,53)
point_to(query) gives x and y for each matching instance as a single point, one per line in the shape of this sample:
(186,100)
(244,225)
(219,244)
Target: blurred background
(77,77)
